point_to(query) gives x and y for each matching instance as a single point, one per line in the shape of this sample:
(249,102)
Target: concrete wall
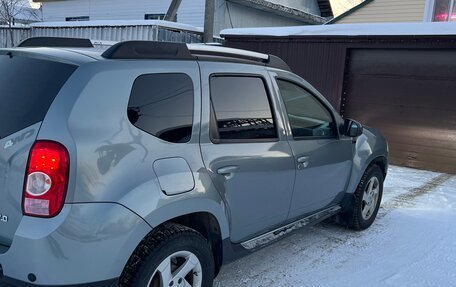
(379,11)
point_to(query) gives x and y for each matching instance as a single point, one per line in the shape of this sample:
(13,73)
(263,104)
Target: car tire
(163,254)
(366,199)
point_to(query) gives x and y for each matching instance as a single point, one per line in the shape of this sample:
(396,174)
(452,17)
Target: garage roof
(380,29)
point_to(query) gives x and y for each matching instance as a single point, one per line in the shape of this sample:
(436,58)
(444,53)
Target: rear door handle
(303,162)
(228,171)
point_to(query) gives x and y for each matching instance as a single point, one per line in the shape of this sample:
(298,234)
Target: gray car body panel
(107,155)
(14,150)
(115,197)
(84,243)
(369,146)
(258,194)
(326,158)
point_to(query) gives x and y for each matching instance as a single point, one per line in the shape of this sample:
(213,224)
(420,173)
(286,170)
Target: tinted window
(27,88)
(307,116)
(442,11)
(162,105)
(241,109)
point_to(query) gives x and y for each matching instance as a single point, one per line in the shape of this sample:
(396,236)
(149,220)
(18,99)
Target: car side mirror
(353,128)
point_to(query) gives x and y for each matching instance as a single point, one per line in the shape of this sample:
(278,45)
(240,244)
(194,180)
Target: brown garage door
(410,96)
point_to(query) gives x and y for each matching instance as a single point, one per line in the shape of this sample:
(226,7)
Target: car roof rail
(56,42)
(205,49)
(171,50)
(148,50)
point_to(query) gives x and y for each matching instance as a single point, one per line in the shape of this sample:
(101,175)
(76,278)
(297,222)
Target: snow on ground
(412,243)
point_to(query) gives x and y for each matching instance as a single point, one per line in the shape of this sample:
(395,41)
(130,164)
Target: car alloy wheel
(370,198)
(181,269)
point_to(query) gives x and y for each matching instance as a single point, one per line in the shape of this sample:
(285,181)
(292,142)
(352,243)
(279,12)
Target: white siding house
(229,13)
(384,11)
(190,12)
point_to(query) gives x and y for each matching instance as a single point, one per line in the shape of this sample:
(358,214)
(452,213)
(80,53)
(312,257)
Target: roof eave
(349,12)
(282,10)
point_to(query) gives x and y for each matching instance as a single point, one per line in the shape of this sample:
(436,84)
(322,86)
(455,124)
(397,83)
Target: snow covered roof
(374,29)
(116,23)
(17,26)
(282,10)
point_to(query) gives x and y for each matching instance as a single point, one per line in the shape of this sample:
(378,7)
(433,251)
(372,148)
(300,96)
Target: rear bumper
(8,282)
(85,243)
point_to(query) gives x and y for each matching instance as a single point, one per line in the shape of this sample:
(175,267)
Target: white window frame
(429,9)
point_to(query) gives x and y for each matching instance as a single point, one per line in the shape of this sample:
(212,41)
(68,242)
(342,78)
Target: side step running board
(284,230)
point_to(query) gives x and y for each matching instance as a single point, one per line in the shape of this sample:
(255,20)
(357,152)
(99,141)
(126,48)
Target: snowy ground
(412,243)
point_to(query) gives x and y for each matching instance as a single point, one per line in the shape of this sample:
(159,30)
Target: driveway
(412,243)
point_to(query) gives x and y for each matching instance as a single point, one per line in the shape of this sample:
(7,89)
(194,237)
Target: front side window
(444,11)
(162,105)
(241,109)
(308,117)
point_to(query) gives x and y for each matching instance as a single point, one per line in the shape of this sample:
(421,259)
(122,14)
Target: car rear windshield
(27,88)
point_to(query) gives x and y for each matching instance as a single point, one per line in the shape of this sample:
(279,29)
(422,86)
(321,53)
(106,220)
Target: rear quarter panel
(111,159)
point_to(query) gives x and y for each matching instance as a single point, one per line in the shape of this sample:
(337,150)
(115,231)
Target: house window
(154,16)
(444,11)
(78,18)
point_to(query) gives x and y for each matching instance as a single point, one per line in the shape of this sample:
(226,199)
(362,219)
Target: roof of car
(79,51)
(63,55)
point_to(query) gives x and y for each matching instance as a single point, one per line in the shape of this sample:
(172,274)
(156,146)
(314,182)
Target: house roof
(282,10)
(350,11)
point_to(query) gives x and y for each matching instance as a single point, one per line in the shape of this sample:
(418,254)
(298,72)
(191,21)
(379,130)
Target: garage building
(399,78)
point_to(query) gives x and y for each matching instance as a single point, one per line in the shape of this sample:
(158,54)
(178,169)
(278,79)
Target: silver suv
(152,164)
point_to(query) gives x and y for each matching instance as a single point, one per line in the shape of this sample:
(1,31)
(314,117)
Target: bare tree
(11,10)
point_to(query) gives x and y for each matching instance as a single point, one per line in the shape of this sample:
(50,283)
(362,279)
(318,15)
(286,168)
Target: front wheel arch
(352,204)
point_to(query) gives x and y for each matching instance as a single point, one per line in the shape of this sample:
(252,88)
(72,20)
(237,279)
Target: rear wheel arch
(204,223)
(208,226)
(169,246)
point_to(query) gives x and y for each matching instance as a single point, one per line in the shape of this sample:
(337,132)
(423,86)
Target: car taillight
(46,179)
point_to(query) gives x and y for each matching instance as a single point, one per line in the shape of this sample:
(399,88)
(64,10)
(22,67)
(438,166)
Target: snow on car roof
(371,29)
(116,23)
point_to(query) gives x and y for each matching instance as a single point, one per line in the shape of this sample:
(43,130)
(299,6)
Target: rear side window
(241,110)
(27,88)
(162,105)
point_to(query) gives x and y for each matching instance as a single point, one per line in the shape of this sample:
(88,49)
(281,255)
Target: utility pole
(171,15)
(209,21)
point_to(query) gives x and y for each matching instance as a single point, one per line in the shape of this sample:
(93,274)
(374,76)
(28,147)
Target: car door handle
(228,171)
(303,162)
